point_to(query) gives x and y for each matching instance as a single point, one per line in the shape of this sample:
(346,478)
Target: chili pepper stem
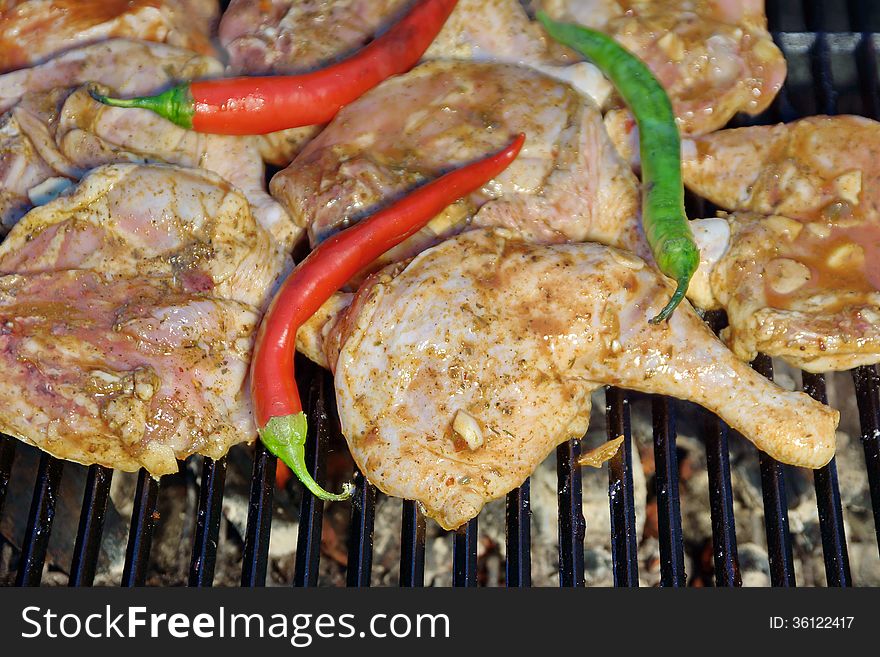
(676,298)
(175,104)
(285,437)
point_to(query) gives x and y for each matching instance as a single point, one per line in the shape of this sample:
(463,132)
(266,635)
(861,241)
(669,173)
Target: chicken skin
(32,31)
(799,275)
(714,57)
(567,184)
(53,132)
(458,373)
(129,309)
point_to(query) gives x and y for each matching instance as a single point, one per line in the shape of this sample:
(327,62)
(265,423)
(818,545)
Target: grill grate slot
(775,505)
(207,534)
(259,521)
(672,572)
(412,545)
(360,537)
(624,548)
(464,555)
(91,526)
(828,500)
(518,572)
(868,397)
(140,538)
(39,527)
(572,525)
(7,457)
(311,514)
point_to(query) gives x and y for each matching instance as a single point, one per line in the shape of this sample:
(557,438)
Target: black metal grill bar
(207,534)
(464,555)
(828,500)
(672,572)
(7,457)
(721,504)
(624,543)
(311,512)
(91,526)
(572,526)
(867,385)
(775,505)
(360,537)
(39,527)
(140,536)
(715,434)
(518,568)
(255,562)
(412,545)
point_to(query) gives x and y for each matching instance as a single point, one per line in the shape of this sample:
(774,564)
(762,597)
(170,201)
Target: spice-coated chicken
(458,373)
(53,132)
(714,57)
(128,310)
(796,265)
(567,184)
(31,31)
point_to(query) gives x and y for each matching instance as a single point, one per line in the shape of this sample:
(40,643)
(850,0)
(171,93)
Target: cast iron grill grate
(833,50)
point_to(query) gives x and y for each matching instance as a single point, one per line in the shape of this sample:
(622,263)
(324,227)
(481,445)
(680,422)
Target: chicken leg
(456,374)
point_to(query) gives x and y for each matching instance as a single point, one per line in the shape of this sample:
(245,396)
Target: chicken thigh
(567,184)
(714,57)
(128,311)
(31,31)
(458,373)
(799,277)
(53,134)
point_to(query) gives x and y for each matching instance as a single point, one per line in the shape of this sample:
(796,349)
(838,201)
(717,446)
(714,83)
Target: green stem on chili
(663,216)
(259,105)
(277,407)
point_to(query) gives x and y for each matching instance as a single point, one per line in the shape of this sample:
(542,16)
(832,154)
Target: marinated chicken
(567,184)
(32,31)
(458,373)
(128,310)
(286,36)
(54,132)
(714,57)
(799,276)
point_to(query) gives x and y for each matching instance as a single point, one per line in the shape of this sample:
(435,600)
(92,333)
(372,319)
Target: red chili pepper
(280,419)
(259,105)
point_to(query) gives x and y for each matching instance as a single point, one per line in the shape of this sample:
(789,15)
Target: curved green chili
(663,216)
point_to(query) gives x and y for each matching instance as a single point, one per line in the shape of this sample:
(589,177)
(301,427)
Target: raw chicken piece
(128,310)
(130,67)
(289,36)
(567,184)
(54,134)
(714,57)
(800,277)
(818,168)
(32,31)
(457,374)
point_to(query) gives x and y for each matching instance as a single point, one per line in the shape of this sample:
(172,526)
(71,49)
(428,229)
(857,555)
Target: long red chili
(280,419)
(258,105)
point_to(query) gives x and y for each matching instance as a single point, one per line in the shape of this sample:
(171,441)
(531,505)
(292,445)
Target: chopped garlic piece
(847,256)
(602,454)
(849,186)
(673,46)
(786,275)
(468,428)
(785,226)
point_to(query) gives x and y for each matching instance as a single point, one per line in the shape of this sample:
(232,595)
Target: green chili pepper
(663,216)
